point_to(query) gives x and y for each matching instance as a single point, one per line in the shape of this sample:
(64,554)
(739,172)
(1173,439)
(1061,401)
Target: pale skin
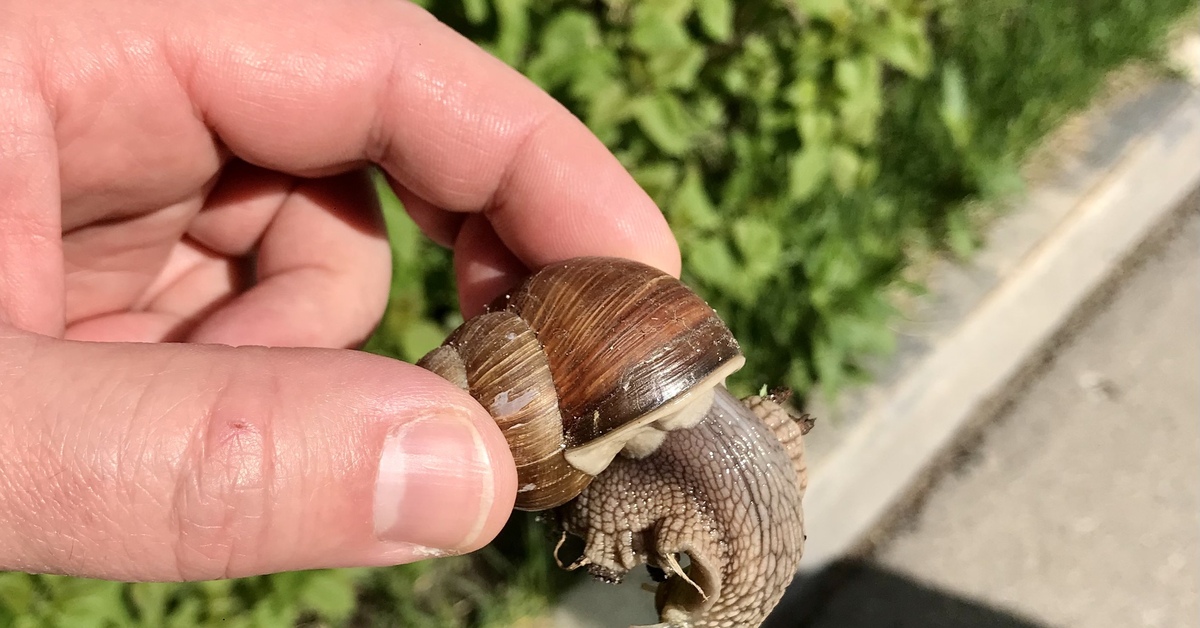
(169,412)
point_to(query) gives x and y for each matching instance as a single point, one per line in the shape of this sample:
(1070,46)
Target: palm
(173,266)
(158,221)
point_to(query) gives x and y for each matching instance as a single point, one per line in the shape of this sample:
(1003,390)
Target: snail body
(606,377)
(739,520)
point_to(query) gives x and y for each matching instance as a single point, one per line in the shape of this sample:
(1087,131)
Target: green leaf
(656,31)
(16,592)
(807,170)
(220,599)
(999,177)
(861,100)
(286,585)
(150,600)
(844,167)
(711,260)
(854,74)
(691,206)
(827,362)
(90,604)
(836,12)
(665,121)
(607,109)
(657,178)
(960,234)
(955,109)
(902,43)
(803,94)
(186,614)
(836,269)
(736,79)
(673,10)
(799,377)
(330,594)
(859,334)
(760,243)
(476,10)
(568,51)
(273,613)
(513,37)
(419,337)
(815,126)
(716,17)
(677,68)
(742,181)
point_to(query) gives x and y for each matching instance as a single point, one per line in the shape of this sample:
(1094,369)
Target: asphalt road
(1080,505)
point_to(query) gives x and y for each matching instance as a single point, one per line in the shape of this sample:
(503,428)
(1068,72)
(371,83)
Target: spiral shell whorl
(497,359)
(621,338)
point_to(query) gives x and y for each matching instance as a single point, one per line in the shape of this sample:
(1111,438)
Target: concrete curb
(987,322)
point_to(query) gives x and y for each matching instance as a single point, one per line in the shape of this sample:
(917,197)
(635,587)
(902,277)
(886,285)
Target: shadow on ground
(856,594)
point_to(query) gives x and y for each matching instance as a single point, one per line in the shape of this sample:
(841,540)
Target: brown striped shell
(585,359)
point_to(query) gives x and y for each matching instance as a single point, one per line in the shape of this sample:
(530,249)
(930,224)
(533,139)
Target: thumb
(188,462)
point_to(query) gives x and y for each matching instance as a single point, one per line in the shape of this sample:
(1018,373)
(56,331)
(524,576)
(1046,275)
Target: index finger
(327,84)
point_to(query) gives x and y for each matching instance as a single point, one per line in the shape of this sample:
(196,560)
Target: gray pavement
(1079,506)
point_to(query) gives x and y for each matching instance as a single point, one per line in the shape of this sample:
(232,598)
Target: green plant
(756,128)
(805,151)
(512,579)
(314,598)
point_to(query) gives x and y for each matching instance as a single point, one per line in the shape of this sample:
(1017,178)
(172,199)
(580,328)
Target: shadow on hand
(855,594)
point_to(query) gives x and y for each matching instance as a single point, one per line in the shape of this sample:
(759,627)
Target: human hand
(146,150)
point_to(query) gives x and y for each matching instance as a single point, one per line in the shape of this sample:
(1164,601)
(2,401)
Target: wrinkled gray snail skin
(726,492)
(606,377)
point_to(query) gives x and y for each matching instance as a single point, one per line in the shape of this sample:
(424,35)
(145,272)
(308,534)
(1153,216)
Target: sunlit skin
(146,150)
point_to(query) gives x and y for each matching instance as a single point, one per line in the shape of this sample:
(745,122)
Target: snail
(606,377)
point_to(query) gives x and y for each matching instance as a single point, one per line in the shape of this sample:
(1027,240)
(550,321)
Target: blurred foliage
(513,578)
(804,151)
(314,597)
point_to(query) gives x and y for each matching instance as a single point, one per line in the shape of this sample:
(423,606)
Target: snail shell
(587,359)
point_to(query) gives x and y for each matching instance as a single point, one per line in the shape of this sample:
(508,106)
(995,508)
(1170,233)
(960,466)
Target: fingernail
(435,485)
